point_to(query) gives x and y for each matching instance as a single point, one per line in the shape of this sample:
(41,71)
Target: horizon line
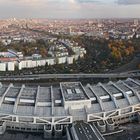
(70,18)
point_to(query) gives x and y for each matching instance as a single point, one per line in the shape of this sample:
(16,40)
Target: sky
(69,9)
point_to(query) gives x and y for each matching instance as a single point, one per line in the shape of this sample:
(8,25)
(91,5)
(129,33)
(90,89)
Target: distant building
(136,22)
(36,56)
(61,60)
(2,66)
(70,30)
(11,66)
(70,59)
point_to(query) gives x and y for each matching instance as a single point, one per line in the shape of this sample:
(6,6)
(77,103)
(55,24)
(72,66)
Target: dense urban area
(68,46)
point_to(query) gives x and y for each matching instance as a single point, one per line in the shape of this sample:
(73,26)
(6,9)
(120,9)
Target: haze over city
(69,9)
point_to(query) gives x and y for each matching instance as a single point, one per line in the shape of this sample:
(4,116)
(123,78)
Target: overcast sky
(69,8)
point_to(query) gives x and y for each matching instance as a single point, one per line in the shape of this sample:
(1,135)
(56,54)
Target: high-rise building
(136,22)
(70,29)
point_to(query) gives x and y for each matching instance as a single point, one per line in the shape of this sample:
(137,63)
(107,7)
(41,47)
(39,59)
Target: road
(69,76)
(85,131)
(12,135)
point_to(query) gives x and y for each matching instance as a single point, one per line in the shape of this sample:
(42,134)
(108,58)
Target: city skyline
(69,9)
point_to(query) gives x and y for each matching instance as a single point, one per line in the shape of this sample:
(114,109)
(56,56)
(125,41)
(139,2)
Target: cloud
(69,8)
(26,3)
(128,2)
(29,2)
